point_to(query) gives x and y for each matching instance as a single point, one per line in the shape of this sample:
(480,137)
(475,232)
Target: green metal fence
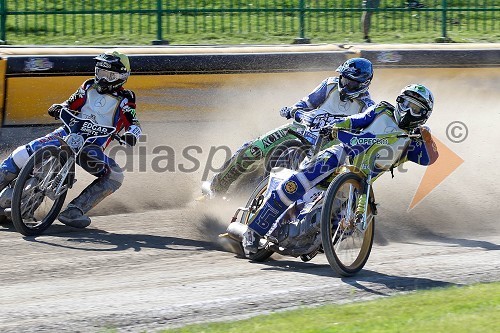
(41,21)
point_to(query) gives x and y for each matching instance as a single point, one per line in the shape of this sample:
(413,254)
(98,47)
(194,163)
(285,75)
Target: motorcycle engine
(299,232)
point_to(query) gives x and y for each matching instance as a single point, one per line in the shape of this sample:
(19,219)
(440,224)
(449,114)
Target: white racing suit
(111,109)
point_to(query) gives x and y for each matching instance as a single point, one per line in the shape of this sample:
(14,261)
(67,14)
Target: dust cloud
(186,127)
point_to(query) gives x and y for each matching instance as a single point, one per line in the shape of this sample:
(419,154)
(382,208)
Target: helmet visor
(349,84)
(108,75)
(412,105)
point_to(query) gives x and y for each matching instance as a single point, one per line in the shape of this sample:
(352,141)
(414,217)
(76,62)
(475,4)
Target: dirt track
(150,259)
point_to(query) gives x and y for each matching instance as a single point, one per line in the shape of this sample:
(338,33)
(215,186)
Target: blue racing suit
(376,119)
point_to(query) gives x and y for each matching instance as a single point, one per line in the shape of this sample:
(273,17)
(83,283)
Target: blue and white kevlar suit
(377,119)
(111,109)
(325,97)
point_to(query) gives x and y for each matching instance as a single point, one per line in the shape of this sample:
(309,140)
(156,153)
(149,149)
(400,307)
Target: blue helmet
(355,77)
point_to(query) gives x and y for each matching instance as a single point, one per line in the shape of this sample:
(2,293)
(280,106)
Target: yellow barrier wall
(28,98)
(3,64)
(26,90)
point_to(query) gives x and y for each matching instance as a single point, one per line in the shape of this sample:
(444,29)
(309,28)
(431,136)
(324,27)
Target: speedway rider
(104,100)
(346,94)
(413,108)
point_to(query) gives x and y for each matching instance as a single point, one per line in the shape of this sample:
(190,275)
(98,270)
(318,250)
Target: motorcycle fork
(367,190)
(62,175)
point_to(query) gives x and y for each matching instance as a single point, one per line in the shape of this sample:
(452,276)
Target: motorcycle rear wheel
(347,246)
(257,195)
(32,210)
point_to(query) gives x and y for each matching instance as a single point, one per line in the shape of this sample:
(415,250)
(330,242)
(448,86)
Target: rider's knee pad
(18,158)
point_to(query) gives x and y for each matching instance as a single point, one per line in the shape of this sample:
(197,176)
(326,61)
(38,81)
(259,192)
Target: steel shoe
(74,217)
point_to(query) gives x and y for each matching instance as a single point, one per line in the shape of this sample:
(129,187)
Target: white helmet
(112,70)
(414,106)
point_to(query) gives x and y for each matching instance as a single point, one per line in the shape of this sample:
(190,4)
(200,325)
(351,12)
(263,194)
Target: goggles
(349,83)
(415,107)
(108,75)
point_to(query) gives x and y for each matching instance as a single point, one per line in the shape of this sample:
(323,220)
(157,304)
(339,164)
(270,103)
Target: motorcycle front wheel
(34,206)
(254,202)
(288,154)
(347,243)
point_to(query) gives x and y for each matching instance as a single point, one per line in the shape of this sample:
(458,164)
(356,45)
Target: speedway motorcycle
(324,219)
(298,141)
(39,191)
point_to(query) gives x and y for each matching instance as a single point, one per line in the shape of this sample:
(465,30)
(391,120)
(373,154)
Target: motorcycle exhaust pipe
(236,230)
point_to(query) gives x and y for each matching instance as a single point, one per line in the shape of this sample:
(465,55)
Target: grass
(204,22)
(463,309)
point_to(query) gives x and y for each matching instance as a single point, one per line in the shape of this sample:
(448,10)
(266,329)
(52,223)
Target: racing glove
(326,132)
(425,132)
(329,132)
(429,143)
(286,112)
(132,134)
(55,110)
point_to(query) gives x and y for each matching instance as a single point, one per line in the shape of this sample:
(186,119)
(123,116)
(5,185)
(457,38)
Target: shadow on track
(118,242)
(392,282)
(461,242)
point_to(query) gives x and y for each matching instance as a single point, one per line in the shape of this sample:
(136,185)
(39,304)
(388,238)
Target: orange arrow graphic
(435,173)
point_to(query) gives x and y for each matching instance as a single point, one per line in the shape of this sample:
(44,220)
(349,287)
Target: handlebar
(299,136)
(119,139)
(410,136)
(316,147)
(321,137)
(311,117)
(388,135)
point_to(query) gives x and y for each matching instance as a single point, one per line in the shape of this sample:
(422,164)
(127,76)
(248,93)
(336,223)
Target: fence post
(3,22)
(443,33)
(159,35)
(302,25)
(444,38)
